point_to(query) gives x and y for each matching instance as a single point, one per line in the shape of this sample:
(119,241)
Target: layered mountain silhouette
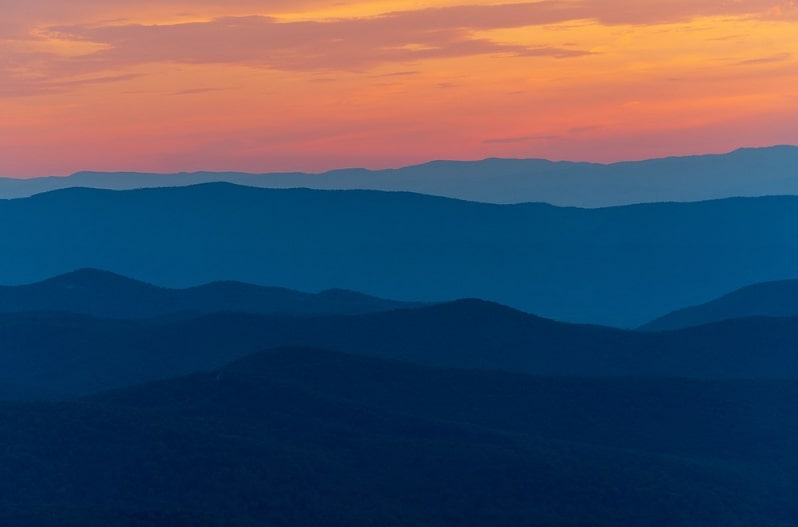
(306,437)
(744,172)
(105,294)
(770,299)
(617,266)
(51,355)
(177,388)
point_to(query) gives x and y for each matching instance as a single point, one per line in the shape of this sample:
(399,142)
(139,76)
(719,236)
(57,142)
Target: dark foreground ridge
(50,355)
(304,437)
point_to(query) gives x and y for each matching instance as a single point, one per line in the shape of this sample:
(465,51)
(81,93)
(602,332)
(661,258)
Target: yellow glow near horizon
(97,87)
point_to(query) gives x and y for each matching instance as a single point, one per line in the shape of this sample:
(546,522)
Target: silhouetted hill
(617,266)
(303,437)
(770,299)
(57,355)
(744,172)
(104,294)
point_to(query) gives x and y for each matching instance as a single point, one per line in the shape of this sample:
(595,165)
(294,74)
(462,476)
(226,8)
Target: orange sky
(307,85)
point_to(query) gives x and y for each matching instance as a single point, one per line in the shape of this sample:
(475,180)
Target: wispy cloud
(520,139)
(345,44)
(28,87)
(196,91)
(778,57)
(354,45)
(395,74)
(350,44)
(579,130)
(465,80)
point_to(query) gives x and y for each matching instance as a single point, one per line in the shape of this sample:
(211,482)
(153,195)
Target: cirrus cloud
(345,44)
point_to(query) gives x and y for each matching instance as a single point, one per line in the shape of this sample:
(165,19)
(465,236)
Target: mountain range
(105,294)
(744,172)
(621,266)
(769,299)
(308,437)
(179,387)
(56,356)
(200,402)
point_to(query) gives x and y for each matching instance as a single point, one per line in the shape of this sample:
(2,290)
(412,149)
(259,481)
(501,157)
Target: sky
(307,85)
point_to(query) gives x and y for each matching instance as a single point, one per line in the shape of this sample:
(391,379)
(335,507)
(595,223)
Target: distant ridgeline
(108,295)
(744,172)
(155,332)
(232,404)
(620,266)
(149,377)
(770,299)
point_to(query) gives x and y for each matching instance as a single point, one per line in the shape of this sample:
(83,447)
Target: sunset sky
(307,85)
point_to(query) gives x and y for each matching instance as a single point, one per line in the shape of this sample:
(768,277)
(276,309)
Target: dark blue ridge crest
(769,299)
(311,437)
(620,266)
(106,294)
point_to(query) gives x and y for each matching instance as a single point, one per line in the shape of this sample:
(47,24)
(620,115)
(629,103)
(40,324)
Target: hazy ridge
(52,355)
(105,294)
(189,396)
(769,299)
(743,172)
(617,266)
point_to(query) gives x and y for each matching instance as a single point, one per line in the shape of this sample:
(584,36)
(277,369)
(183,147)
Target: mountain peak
(777,298)
(90,277)
(91,291)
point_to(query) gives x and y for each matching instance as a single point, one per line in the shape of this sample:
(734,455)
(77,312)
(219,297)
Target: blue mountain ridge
(770,299)
(105,294)
(743,172)
(619,266)
(58,355)
(311,437)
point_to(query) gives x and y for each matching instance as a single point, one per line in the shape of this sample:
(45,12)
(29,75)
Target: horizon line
(401,167)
